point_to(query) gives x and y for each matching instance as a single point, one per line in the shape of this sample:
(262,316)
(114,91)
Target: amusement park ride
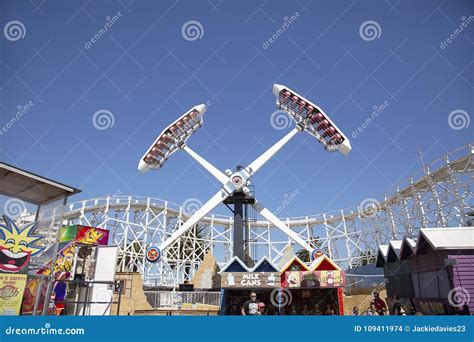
(236,185)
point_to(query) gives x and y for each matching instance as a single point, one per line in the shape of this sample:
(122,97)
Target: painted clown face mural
(16,246)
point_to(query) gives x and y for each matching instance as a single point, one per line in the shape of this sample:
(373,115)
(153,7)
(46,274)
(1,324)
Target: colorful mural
(92,236)
(315,279)
(16,246)
(67,233)
(70,238)
(84,235)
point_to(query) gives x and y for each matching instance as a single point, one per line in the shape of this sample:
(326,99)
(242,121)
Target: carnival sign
(316,254)
(11,293)
(250,279)
(153,254)
(16,246)
(315,279)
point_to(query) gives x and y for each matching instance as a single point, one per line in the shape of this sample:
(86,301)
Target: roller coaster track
(439,195)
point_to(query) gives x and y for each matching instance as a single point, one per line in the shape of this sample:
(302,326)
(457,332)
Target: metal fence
(77,297)
(175,299)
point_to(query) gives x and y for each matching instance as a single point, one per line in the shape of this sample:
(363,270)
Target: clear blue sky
(146,74)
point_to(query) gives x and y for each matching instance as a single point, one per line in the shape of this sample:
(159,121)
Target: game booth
(292,289)
(33,210)
(238,280)
(81,275)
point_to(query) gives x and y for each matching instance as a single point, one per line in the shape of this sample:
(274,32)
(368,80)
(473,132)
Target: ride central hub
(238,181)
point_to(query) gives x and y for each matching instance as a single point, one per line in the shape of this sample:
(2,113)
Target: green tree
(135,249)
(185,246)
(365,258)
(303,254)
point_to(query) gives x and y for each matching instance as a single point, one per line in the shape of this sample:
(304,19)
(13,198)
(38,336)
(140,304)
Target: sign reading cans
(153,254)
(250,279)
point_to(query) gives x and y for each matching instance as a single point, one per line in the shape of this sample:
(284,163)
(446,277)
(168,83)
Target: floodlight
(311,119)
(170,139)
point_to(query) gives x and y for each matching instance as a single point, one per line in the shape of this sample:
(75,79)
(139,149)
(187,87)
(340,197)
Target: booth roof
(382,255)
(30,187)
(411,242)
(291,261)
(261,263)
(235,261)
(239,263)
(394,250)
(447,238)
(450,238)
(319,260)
(408,248)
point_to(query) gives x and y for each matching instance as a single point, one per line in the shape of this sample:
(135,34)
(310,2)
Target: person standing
(250,307)
(306,311)
(329,310)
(397,307)
(379,304)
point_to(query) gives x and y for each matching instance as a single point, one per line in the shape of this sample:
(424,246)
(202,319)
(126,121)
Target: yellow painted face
(16,246)
(91,237)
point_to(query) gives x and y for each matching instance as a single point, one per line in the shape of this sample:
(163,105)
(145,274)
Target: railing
(76,209)
(178,300)
(79,297)
(104,297)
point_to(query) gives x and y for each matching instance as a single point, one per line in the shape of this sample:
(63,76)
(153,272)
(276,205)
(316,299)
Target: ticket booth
(238,281)
(315,290)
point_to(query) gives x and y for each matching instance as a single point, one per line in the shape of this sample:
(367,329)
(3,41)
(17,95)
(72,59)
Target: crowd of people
(255,307)
(379,308)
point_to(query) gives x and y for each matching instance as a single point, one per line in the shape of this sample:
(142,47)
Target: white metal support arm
(307,116)
(260,161)
(283,227)
(199,214)
(205,164)
(227,191)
